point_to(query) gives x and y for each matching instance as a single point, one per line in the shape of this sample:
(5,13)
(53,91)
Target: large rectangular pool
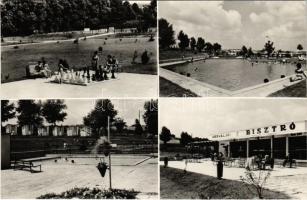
(233,74)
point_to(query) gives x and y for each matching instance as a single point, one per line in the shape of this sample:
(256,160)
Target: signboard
(281,129)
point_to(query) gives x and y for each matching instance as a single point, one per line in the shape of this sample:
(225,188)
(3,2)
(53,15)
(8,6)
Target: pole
(109,139)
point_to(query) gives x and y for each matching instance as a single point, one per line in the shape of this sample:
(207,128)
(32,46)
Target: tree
(208,47)
(97,119)
(138,127)
(250,52)
(165,135)
(256,180)
(120,124)
(7,112)
(200,44)
(184,41)
(244,51)
(25,17)
(216,48)
(151,116)
(269,47)
(192,43)
(53,112)
(300,47)
(185,138)
(29,114)
(166,34)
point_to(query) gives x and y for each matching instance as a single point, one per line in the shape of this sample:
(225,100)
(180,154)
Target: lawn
(296,90)
(169,89)
(174,183)
(79,55)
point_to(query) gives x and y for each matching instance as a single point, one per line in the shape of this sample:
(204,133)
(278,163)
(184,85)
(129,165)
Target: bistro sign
(271,129)
(281,129)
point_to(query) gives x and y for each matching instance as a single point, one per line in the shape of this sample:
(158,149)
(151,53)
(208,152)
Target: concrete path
(126,85)
(290,181)
(200,88)
(55,41)
(59,177)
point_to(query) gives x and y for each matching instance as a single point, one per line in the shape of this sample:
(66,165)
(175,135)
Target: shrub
(256,181)
(151,39)
(95,193)
(145,58)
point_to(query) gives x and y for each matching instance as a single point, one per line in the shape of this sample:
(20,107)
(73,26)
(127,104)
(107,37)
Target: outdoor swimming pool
(233,74)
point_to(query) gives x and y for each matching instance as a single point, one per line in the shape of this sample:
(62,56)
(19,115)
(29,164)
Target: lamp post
(109,139)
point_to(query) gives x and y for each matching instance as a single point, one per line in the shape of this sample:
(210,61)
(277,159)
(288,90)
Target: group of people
(100,71)
(42,68)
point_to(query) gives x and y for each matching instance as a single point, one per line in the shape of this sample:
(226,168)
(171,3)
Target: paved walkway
(61,176)
(200,88)
(126,85)
(291,181)
(55,41)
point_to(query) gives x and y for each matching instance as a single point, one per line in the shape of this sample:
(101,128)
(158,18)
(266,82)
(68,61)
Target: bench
(27,164)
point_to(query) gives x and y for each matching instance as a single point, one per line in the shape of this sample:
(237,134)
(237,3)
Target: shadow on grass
(296,90)
(170,89)
(175,184)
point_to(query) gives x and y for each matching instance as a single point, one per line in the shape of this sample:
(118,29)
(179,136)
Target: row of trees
(33,114)
(24,17)
(185,137)
(97,119)
(268,48)
(167,39)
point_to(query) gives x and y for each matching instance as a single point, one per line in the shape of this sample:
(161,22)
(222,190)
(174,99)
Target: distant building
(11,129)
(66,130)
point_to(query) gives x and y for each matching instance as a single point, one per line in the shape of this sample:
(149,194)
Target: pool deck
(125,85)
(286,180)
(61,176)
(207,90)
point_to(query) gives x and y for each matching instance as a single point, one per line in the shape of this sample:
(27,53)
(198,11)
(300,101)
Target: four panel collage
(153,99)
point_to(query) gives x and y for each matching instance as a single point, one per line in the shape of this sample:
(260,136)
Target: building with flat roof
(276,140)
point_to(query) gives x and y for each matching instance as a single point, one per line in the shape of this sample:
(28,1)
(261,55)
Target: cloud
(285,19)
(202,18)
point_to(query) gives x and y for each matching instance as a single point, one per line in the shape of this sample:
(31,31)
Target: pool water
(234,74)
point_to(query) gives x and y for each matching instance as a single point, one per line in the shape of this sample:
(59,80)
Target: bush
(95,193)
(151,39)
(145,58)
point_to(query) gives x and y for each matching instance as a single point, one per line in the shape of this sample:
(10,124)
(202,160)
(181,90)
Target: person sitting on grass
(299,72)
(46,70)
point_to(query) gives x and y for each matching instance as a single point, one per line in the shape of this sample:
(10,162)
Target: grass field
(297,90)
(79,55)
(169,89)
(174,183)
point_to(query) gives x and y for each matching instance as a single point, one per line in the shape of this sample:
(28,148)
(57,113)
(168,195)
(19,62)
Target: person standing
(95,60)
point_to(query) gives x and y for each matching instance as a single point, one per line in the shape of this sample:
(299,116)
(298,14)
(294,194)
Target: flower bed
(94,193)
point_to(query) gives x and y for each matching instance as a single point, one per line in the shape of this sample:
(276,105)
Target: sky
(206,117)
(76,109)
(237,23)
